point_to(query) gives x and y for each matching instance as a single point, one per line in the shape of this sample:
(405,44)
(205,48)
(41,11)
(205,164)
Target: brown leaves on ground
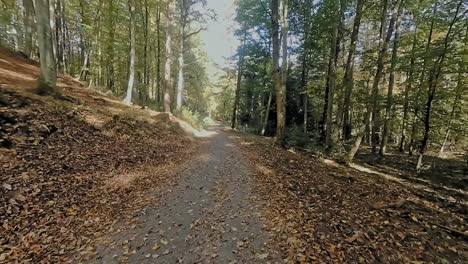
(329,213)
(69,169)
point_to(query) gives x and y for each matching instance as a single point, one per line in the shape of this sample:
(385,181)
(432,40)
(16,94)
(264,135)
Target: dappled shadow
(438,173)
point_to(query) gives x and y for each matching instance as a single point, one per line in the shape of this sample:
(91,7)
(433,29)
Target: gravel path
(212,215)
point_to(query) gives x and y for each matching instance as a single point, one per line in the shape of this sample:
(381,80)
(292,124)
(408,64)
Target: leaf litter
(320,213)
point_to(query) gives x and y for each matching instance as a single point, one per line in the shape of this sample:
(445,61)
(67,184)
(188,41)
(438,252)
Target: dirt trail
(211,216)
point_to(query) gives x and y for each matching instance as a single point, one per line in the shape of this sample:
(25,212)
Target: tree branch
(195,32)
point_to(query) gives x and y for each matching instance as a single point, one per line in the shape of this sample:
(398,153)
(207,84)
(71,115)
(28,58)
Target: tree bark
(168,60)
(329,139)
(158,59)
(375,89)
(348,77)
(48,74)
(276,74)
(238,83)
(422,79)
(408,88)
(282,77)
(128,97)
(29,24)
(391,82)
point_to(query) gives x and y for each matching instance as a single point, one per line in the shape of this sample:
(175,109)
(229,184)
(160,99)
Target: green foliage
(192,117)
(296,137)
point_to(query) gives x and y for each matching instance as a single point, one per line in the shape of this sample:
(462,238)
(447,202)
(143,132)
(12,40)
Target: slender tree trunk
(432,87)
(168,60)
(110,49)
(348,77)
(158,60)
(29,24)
(180,78)
(276,74)
(48,75)
(238,84)
(378,76)
(329,139)
(145,56)
(407,91)
(391,82)
(131,78)
(458,95)
(421,81)
(375,89)
(267,113)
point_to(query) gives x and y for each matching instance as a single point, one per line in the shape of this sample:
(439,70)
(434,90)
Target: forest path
(212,215)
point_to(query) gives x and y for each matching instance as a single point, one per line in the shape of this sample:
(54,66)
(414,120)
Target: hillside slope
(70,168)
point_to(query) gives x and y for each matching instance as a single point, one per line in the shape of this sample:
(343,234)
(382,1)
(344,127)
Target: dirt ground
(212,215)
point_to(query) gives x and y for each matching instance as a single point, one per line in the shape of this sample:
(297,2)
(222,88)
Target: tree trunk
(458,95)
(378,76)
(348,77)
(282,77)
(158,60)
(180,78)
(276,77)
(29,24)
(168,62)
(128,97)
(48,75)
(238,84)
(407,91)
(375,89)
(267,113)
(432,87)
(110,48)
(329,138)
(145,56)
(391,82)
(422,80)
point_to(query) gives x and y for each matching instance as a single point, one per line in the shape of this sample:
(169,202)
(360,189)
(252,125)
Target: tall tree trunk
(53,27)
(168,60)
(282,77)
(391,82)
(145,56)
(158,60)
(375,89)
(421,81)
(276,74)
(238,83)
(29,24)
(48,75)
(378,76)
(180,78)
(110,49)
(348,77)
(305,68)
(267,113)
(131,77)
(432,87)
(329,139)
(407,92)
(458,95)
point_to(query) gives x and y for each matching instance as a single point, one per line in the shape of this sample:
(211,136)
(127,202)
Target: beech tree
(48,77)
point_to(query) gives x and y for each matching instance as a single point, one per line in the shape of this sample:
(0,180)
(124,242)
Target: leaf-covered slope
(69,168)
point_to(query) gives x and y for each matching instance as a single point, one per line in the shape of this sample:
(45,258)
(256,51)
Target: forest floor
(87,178)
